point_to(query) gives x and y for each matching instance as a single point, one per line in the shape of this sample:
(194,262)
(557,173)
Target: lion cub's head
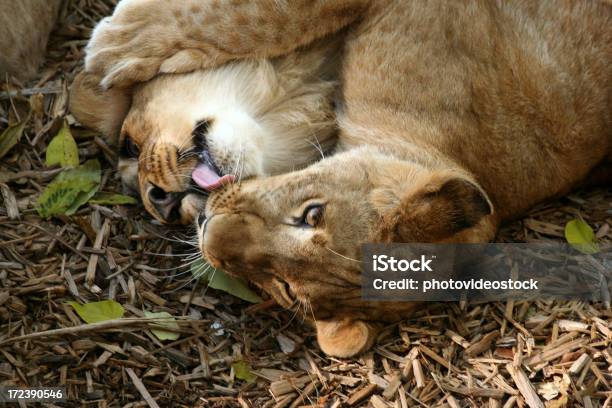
(299,235)
(182,136)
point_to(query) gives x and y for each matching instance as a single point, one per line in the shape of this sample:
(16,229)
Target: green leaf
(10,137)
(95,312)
(58,197)
(168,322)
(581,236)
(63,149)
(217,279)
(242,370)
(86,172)
(113,199)
(81,199)
(70,189)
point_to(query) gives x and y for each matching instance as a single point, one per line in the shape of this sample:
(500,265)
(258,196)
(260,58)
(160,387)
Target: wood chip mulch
(524,354)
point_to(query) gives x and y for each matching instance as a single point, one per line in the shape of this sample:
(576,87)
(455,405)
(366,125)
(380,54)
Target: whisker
(171,255)
(317,146)
(295,307)
(169,239)
(177,268)
(342,256)
(187,154)
(242,166)
(195,273)
(189,281)
(311,310)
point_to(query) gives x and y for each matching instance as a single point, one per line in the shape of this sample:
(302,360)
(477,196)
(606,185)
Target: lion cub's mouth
(207,174)
(285,296)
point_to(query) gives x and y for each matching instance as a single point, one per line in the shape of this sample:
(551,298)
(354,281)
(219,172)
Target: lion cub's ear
(444,207)
(102,110)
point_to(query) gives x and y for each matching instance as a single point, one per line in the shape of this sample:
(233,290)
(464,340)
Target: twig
(141,388)
(30,92)
(108,324)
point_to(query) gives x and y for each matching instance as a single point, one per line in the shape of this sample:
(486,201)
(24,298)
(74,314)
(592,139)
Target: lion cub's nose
(167,204)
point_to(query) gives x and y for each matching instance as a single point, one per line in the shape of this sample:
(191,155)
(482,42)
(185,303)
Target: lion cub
(456,116)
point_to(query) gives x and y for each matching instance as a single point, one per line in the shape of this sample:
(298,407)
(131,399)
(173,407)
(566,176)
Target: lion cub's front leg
(145,37)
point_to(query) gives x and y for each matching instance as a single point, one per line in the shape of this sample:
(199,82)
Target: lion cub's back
(526,85)
(25,26)
(428,56)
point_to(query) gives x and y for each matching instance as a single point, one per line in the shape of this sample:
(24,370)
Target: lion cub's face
(187,135)
(182,136)
(299,235)
(296,237)
(182,123)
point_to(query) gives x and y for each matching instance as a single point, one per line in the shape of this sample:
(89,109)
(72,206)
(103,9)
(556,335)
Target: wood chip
(579,364)
(392,387)
(525,387)
(482,345)
(360,395)
(93,259)
(570,326)
(10,203)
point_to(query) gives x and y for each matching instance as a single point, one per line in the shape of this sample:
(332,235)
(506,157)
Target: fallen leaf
(95,312)
(168,322)
(581,236)
(63,149)
(88,172)
(70,190)
(217,279)
(242,371)
(10,137)
(286,344)
(113,199)
(548,390)
(58,197)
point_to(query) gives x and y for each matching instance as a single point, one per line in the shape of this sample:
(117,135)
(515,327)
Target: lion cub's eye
(130,149)
(313,215)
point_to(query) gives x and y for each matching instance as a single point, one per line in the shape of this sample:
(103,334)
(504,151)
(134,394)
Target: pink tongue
(207,178)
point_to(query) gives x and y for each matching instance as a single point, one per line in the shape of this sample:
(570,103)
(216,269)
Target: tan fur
(266,117)
(456,116)
(99,109)
(25,26)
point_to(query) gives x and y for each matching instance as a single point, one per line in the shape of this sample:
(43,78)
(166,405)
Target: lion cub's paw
(345,338)
(146,37)
(119,58)
(130,46)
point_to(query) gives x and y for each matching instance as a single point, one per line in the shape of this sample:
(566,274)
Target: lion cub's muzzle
(227,242)
(172,207)
(175,185)
(166,204)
